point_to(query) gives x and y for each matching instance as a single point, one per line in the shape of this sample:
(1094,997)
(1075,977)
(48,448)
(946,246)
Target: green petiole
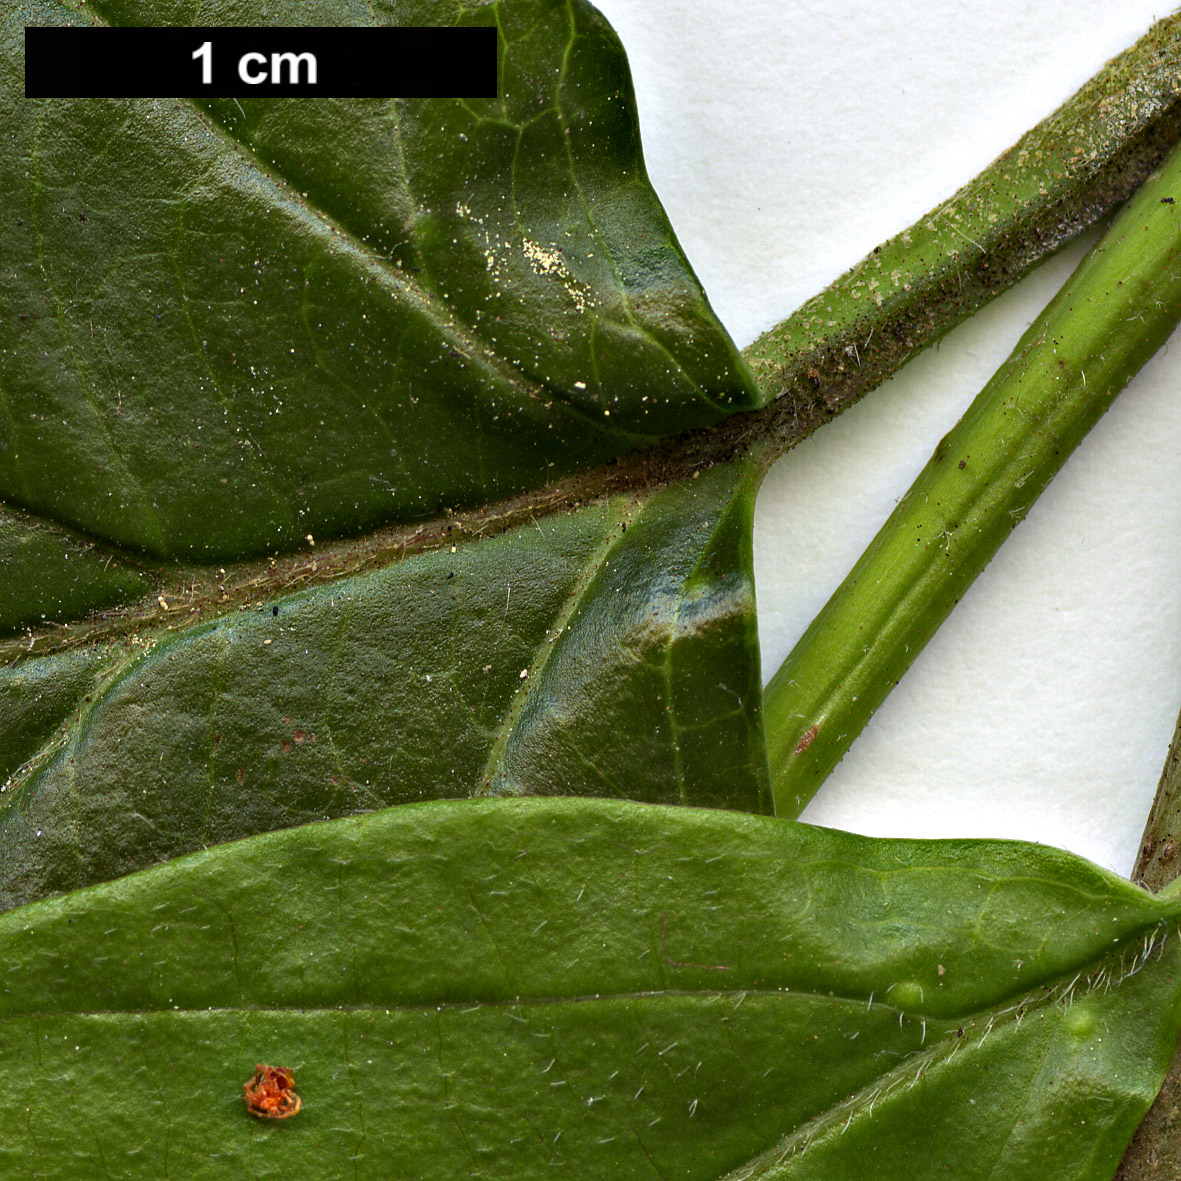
(1112,315)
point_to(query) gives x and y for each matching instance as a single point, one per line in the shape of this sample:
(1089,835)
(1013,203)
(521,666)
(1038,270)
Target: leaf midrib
(194,593)
(974,1029)
(472,1005)
(1092,974)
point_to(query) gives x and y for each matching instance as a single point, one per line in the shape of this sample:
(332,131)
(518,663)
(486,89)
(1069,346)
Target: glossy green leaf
(612,651)
(51,576)
(237,323)
(238,328)
(250,325)
(589,989)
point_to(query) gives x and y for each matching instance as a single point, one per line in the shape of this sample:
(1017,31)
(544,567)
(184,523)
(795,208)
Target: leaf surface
(237,323)
(588,988)
(611,651)
(244,326)
(52,576)
(237,327)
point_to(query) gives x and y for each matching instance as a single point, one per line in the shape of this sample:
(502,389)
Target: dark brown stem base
(1155,1151)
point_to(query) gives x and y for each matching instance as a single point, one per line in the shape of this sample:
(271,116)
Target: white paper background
(786,140)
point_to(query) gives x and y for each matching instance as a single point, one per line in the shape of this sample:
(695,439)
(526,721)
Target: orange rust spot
(805,740)
(269,1094)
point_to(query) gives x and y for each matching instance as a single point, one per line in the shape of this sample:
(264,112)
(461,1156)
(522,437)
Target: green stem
(1074,167)
(1064,174)
(1112,315)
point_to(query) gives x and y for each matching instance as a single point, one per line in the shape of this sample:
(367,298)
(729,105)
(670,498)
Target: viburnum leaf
(247,326)
(586,988)
(238,322)
(609,651)
(295,395)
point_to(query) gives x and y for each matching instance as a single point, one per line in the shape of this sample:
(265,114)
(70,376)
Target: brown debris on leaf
(270,1094)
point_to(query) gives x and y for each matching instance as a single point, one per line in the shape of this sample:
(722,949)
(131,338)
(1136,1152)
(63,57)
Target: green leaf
(589,989)
(364,313)
(612,651)
(52,576)
(237,323)
(249,325)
